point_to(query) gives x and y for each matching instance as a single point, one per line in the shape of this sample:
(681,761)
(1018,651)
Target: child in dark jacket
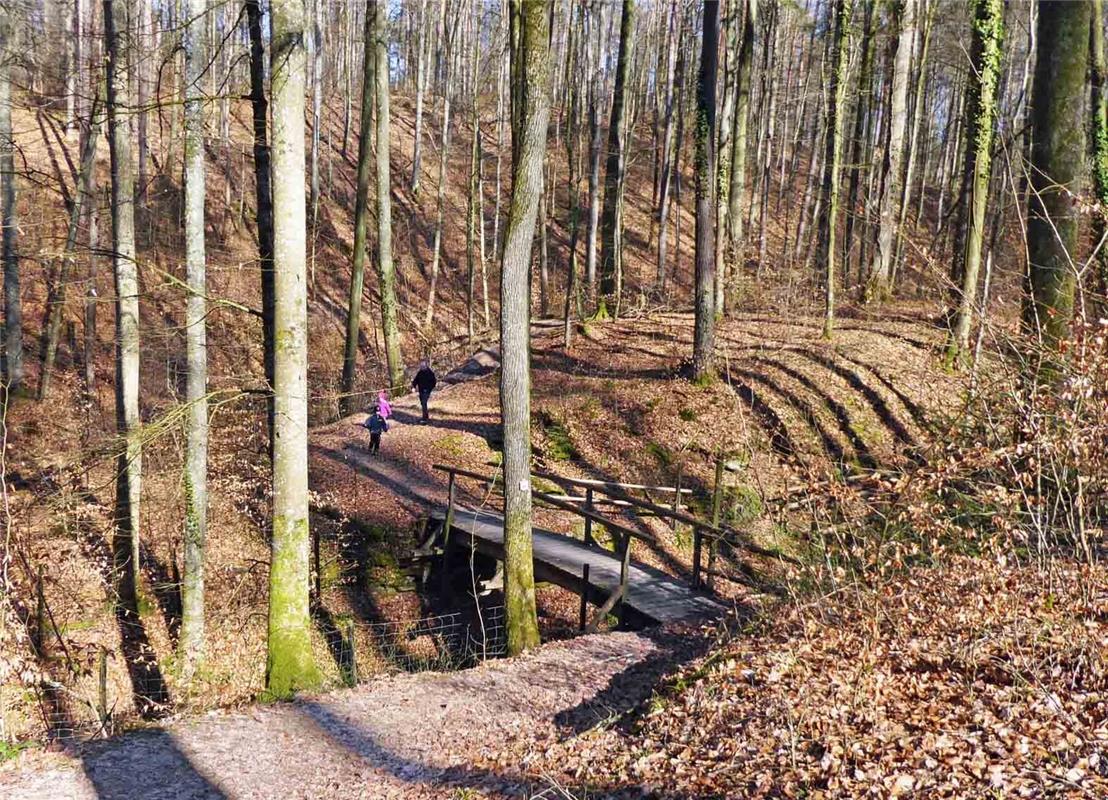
(376,425)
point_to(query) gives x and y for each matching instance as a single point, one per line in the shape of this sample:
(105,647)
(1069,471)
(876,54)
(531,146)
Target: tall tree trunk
(191,641)
(862,124)
(832,159)
(1099,133)
(572,140)
(892,186)
(988,32)
(386,271)
(125,542)
(317,118)
(725,149)
(13,304)
(1057,169)
(289,666)
(665,168)
(263,195)
(56,296)
(450,31)
(349,402)
(594,154)
(705,309)
(737,195)
(421,87)
(515,374)
(613,167)
(142,84)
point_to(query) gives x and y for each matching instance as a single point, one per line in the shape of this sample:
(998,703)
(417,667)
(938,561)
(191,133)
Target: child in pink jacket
(384,408)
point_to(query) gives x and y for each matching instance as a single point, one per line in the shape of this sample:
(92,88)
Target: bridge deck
(652,595)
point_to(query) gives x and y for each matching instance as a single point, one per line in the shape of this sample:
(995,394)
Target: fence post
(696,547)
(352,663)
(588,521)
(102,696)
(318,571)
(583,617)
(40,617)
(717,508)
(624,575)
(447,524)
(677,495)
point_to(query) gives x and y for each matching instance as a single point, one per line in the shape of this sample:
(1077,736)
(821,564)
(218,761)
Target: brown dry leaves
(970,681)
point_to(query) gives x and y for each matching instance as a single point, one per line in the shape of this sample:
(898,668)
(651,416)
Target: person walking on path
(384,407)
(424,381)
(376,424)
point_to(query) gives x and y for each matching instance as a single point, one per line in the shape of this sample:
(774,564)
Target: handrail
(610,485)
(557,502)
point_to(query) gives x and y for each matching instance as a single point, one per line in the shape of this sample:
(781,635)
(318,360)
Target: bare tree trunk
(421,88)
(1099,135)
(142,83)
(515,374)
(665,167)
(191,641)
(290,666)
(386,271)
(316,55)
(705,320)
(859,152)
(831,165)
(613,168)
(737,196)
(13,304)
(594,157)
(263,194)
(125,542)
(349,402)
(880,285)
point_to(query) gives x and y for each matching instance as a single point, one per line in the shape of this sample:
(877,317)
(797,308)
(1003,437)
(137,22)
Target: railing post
(583,616)
(102,696)
(717,508)
(352,663)
(677,495)
(40,616)
(318,571)
(624,575)
(447,524)
(588,521)
(696,547)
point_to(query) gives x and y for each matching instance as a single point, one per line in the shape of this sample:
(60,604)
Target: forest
(553,398)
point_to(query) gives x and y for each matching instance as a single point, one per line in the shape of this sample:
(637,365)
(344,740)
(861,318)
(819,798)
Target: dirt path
(408,736)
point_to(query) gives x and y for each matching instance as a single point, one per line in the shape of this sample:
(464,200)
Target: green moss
(687,414)
(450,445)
(661,453)
(741,505)
(559,445)
(289,665)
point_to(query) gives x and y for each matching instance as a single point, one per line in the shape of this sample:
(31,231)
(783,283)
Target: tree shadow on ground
(166,585)
(164,772)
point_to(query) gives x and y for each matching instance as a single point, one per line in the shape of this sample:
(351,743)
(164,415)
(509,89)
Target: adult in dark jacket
(424,382)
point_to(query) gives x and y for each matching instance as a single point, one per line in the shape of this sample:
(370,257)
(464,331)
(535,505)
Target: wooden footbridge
(638,594)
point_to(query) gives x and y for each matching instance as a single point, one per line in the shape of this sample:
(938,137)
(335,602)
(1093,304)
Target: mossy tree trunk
(191,640)
(1058,164)
(533,72)
(981,107)
(737,198)
(704,302)
(832,164)
(125,542)
(290,666)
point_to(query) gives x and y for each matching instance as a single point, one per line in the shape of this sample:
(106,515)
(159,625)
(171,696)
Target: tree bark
(832,160)
(892,186)
(515,375)
(13,304)
(191,640)
(1099,134)
(263,195)
(737,195)
(125,542)
(613,168)
(421,87)
(386,271)
(289,666)
(1057,169)
(705,309)
(988,32)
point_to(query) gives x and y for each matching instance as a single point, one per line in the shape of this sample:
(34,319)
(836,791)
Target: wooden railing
(706,535)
